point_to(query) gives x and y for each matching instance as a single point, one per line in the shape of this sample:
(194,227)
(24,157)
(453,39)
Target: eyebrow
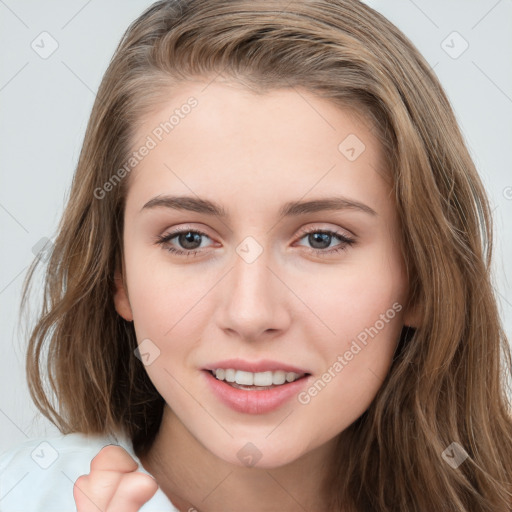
(290,209)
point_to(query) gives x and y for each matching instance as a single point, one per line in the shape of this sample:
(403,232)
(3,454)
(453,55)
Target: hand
(114,484)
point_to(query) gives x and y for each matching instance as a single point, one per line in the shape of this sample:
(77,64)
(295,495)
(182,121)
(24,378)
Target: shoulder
(39,474)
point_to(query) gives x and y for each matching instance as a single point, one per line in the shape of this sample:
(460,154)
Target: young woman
(271,284)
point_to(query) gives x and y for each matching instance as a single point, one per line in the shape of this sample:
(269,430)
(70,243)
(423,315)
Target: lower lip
(254,402)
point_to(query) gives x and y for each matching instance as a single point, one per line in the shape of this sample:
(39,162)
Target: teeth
(230,375)
(279,377)
(263,379)
(244,378)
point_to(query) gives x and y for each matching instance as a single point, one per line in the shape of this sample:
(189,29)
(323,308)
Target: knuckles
(113,458)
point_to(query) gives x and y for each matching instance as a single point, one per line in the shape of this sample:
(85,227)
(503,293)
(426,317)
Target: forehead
(222,139)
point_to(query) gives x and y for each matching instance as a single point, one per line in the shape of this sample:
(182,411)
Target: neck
(194,479)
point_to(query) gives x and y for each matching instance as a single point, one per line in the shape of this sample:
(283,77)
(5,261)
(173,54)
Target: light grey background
(45,104)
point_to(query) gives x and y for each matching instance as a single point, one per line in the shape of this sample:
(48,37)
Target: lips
(255,366)
(246,401)
(237,384)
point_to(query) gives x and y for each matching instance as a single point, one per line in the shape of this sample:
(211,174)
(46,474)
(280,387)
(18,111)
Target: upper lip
(263,365)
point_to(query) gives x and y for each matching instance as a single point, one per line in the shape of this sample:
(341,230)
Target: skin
(251,154)
(114,484)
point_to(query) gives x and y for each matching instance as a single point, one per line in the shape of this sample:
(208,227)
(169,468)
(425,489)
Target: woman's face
(288,263)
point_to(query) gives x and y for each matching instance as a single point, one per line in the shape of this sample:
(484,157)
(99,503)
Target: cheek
(162,294)
(354,295)
(365,325)
(169,306)
(366,317)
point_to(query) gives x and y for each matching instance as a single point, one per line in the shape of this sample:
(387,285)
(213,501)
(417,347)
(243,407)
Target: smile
(255,381)
(260,397)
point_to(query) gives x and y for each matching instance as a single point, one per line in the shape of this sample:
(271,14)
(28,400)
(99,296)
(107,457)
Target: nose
(254,301)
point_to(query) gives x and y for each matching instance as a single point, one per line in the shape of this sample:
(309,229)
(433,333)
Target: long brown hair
(449,378)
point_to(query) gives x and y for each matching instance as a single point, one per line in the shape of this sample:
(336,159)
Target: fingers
(113,458)
(93,492)
(113,484)
(133,491)
(113,492)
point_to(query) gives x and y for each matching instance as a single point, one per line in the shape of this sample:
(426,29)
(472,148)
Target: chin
(262,453)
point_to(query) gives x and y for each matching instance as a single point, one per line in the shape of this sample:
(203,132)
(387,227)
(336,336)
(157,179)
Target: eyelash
(346,242)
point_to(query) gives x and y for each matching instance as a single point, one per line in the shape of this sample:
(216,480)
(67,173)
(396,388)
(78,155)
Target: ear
(121,301)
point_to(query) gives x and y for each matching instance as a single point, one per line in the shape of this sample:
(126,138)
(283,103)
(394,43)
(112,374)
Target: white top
(38,475)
